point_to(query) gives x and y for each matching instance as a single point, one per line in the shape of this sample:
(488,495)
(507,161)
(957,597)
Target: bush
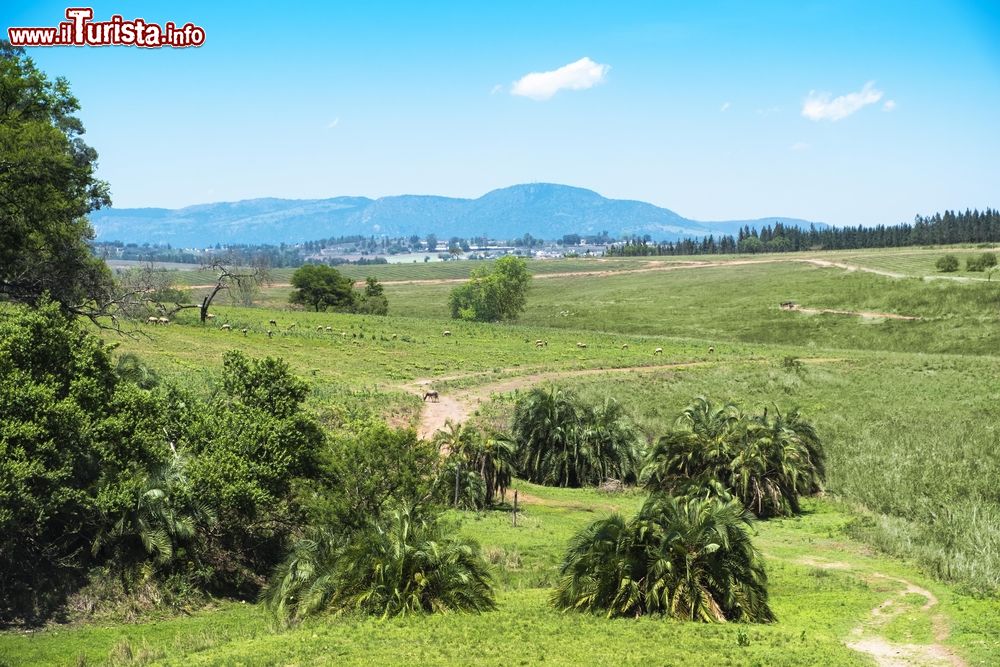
(564,442)
(73,440)
(494,293)
(947,264)
(765,461)
(690,559)
(981,262)
(402,563)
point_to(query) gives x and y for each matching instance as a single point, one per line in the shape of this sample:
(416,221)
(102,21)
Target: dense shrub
(403,562)
(561,441)
(74,439)
(982,262)
(765,461)
(494,293)
(690,559)
(947,264)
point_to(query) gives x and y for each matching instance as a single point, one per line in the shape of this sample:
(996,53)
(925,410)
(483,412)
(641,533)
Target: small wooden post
(513,517)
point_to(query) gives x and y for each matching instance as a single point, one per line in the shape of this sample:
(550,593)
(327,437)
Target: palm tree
(765,461)
(405,563)
(496,464)
(544,428)
(690,559)
(157,519)
(563,442)
(697,451)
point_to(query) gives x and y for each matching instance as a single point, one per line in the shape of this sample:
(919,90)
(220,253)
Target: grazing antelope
(445,333)
(270,334)
(711,349)
(152,320)
(273,323)
(433,395)
(624,346)
(226,327)
(244,331)
(658,350)
(164,320)
(540,343)
(319,328)
(581,345)
(329,328)
(210,316)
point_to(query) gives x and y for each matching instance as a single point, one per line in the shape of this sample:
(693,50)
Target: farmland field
(897,373)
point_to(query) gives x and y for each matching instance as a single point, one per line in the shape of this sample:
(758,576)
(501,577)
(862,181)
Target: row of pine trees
(941,228)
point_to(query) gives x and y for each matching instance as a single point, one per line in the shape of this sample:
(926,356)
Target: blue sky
(843,112)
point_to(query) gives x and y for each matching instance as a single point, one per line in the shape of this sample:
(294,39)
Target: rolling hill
(543,210)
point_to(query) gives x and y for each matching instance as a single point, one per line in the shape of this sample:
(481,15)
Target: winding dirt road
(459,404)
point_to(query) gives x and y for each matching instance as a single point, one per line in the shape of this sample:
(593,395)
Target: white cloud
(333,123)
(725,106)
(889,105)
(819,106)
(800,146)
(581,75)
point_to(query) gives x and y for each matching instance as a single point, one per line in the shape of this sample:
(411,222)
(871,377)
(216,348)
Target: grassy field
(823,588)
(906,409)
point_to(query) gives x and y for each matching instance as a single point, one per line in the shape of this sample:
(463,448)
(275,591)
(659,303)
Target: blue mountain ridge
(544,210)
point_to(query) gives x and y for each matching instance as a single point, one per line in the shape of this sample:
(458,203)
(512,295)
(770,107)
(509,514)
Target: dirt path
(459,404)
(851,267)
(864,314)
(866,637)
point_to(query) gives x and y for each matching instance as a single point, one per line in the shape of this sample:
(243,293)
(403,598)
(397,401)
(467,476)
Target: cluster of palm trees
(562,441)
(766,461)
(688,553)
(687,558)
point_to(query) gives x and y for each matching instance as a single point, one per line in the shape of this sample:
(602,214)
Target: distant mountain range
(543,210)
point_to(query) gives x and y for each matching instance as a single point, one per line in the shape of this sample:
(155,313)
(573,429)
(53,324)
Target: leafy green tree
(47,188)
(73,438)
(321,287)
(401,563)
(947,264)
(494,293)
(373,301)
(367,468)
(562,442)
(691,559)
(249,447)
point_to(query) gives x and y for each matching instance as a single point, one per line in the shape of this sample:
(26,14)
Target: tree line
(970,226)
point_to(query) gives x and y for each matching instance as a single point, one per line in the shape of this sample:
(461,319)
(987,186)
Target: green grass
(906,409)
(816,608)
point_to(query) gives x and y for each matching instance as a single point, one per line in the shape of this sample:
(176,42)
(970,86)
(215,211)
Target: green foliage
(564,442)
(982,262)
(47,187)
(72,439)
(947,264)
(321,287)
(158,521)
(482,463)
(402,563)
(372,300)
(690,559)
(765,461)
(495,293)
(367,468)
(249,445)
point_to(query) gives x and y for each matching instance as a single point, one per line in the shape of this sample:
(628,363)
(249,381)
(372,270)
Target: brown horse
(433,395)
